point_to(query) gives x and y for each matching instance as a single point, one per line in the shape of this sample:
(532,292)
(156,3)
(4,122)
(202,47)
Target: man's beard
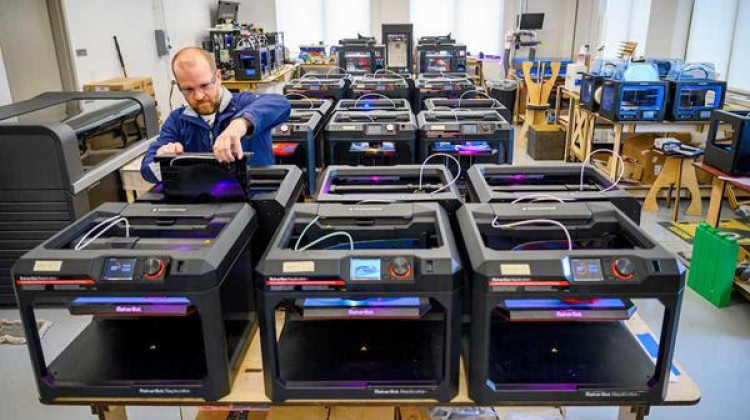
(207,106)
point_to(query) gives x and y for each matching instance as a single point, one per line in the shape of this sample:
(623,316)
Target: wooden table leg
(678,186)
(666,177)
(691,183)
(714,204)
(632,413)
(613,162)
(733,204)
(109,412)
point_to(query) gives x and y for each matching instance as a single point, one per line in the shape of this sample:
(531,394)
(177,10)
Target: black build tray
(370,351)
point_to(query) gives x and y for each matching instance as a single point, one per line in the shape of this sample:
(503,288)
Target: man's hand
(228,145)
(170,149)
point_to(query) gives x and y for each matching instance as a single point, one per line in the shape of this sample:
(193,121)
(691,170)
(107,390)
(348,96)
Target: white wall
(258,12)
(711,33)
(668,28)
(5,96)
(388,12)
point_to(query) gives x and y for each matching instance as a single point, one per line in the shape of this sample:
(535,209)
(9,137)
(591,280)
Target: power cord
(535,221)
(619,177)
(446,186)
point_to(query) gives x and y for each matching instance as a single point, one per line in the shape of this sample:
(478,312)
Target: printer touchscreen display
(587,270)
(365,269)
(119,269)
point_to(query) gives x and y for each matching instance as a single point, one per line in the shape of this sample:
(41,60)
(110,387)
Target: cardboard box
(122,84)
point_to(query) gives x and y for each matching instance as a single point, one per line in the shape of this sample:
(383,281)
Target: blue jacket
(185,126)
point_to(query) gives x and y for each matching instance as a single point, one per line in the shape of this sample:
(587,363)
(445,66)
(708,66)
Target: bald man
(216,120)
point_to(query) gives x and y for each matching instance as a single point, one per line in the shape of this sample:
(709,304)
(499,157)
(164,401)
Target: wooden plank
(296,413)
(341,412)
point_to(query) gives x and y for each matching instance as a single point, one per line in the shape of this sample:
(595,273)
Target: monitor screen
(531,21)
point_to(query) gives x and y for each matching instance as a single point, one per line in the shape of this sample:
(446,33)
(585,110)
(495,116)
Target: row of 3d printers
(364,293)
(246,54)
(338,119)
(654,90)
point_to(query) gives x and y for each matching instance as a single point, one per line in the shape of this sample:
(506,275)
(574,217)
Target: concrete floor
(712,346)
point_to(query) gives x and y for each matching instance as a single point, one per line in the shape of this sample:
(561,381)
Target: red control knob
(400,268)
(153,268)
(623,268)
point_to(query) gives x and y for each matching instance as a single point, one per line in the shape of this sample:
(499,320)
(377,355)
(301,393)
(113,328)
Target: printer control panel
(134,269)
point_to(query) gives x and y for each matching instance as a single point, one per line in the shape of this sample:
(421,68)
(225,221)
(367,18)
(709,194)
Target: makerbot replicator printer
(373,103)
(321,86)
(591,82)
(60,155)
(634,93)
(271,190)
(441,85)
(163,295)
(374,137)
(294,142)
(694,92)
(390,85)
(361,301)
(467,102)
(384,184)
(360,55)
(506,184)
(553,305)
(440,54)
(730,154)
(472,136)
(399,44)
(252,63)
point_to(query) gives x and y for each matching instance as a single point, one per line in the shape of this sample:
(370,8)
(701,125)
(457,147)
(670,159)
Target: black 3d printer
(60,155)
(468,102)
(506,184)
(553,305)
(694,92)
(332,86)
(385,184)
(169,289)
(730,154)
(199,178)
(399,45)
(441,85)
(294,143)
(371,137)
(471,136)
(591,82)
(361,55)
(361,301)
(634,93)
(440,54)
(386,84)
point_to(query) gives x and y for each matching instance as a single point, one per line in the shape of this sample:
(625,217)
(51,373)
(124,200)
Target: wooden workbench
(282,75)
(248,391)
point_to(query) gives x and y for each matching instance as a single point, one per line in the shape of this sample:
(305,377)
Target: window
(307,22)
(462,18)
(711,33)
(626,20)
(738,76)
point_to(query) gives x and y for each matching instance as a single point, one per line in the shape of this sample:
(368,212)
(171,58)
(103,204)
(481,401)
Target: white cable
(103,230)
(336,68)
(375,95)
(312,104)
(330,235)
(306,75)
(376,201)
(448,185)
(535,221)
(301,235)
(619,177)
(98,225)
(538,197)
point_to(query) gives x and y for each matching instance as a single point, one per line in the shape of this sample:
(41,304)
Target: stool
(675,168)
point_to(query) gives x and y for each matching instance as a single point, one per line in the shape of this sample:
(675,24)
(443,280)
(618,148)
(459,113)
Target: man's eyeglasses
(204,87)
